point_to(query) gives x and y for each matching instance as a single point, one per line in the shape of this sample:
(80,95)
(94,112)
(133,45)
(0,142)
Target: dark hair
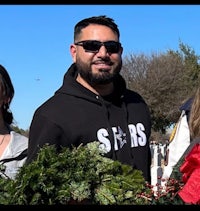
(100,20)
(7,91)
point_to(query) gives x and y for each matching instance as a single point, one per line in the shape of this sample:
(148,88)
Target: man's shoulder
(130,94)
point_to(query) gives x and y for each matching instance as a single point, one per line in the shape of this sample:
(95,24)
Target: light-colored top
(18,143)
(177,146)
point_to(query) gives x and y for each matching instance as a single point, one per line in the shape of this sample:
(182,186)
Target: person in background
(179,140)
(13,145)
(93,103)
(194,119)
(193,122)
(189,163)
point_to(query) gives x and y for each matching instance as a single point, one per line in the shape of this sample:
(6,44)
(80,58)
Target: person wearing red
(190,167)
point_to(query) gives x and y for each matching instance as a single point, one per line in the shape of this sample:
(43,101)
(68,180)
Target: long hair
(194,119)
(7,90)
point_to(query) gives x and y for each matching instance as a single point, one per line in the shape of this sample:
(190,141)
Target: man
(93,104)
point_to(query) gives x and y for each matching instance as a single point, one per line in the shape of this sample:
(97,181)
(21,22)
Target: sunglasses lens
(112,46)
(92,46)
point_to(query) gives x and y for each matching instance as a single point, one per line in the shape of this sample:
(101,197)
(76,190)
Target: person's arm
(42,131)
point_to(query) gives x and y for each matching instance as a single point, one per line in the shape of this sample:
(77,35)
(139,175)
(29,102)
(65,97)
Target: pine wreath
(79,175)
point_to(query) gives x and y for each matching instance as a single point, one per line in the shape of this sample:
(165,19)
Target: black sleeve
(42,131)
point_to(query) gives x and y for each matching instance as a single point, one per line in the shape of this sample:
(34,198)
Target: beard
(101,78)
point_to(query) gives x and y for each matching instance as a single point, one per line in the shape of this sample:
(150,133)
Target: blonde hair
(194,118)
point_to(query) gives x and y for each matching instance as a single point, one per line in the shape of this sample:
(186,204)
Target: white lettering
(142,139)
(133,133)
(114,129)
(101,135)
(137,133)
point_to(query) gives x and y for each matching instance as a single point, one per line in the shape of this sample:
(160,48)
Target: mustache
(103,61)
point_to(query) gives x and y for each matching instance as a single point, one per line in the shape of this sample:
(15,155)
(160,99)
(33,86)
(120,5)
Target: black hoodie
(74,115)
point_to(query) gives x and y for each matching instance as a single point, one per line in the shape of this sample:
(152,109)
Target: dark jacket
(75,115)
(186,106)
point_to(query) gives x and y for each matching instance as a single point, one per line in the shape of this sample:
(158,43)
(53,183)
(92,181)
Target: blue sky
(35,40)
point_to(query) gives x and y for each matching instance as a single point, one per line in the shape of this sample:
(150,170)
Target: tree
(165,80)
(20,131)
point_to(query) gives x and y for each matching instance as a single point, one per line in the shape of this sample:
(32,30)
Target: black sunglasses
(94,46)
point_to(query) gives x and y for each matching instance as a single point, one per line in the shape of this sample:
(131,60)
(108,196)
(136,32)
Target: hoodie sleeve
(42,131)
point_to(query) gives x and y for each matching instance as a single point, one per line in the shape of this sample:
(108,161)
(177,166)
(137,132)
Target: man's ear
(73,52)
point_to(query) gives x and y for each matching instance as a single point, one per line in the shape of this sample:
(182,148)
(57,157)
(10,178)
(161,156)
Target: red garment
(190,193)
